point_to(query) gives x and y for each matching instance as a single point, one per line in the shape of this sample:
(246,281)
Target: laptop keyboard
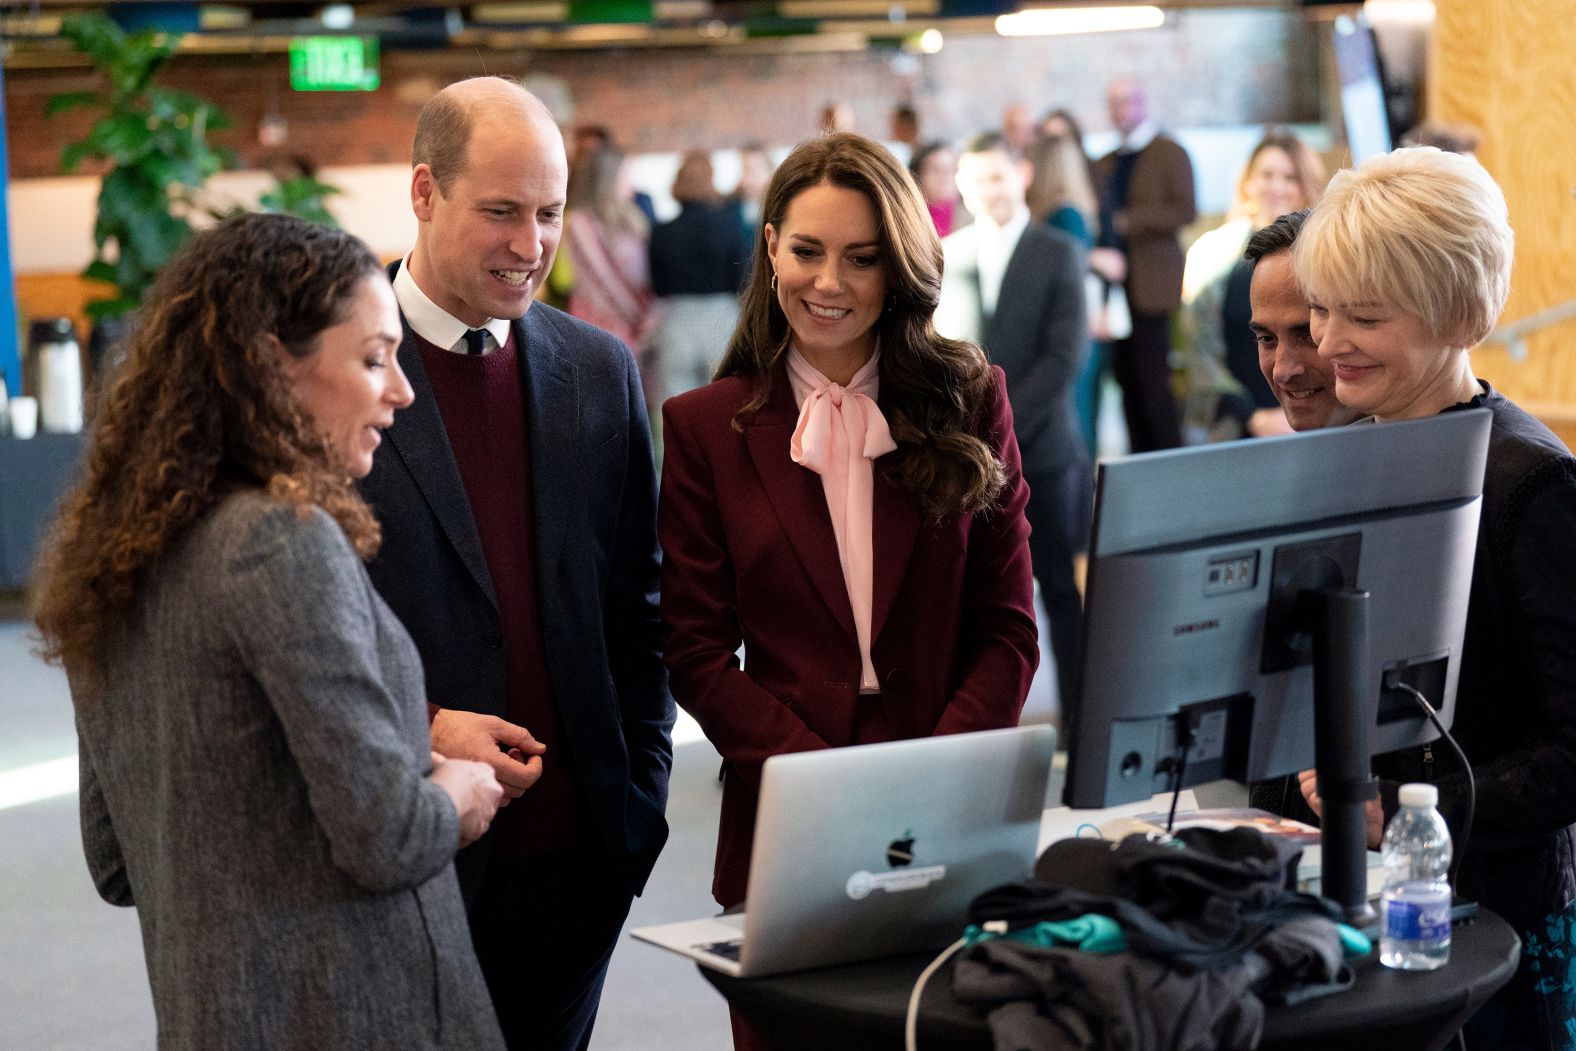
(728,950)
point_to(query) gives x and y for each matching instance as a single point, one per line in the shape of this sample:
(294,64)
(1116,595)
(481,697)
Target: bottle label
(1417,921)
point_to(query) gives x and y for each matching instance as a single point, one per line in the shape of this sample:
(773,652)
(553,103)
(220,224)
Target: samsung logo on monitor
(1195,627)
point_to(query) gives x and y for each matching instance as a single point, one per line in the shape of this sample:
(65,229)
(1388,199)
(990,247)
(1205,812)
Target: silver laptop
(876,849)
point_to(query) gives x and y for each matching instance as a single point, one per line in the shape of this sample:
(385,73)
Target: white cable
(911,1025)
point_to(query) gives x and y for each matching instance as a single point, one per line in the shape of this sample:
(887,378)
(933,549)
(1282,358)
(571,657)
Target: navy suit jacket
(597,568)
(750,555)
(1039,334)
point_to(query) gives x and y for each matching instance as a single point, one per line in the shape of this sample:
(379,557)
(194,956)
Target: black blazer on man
(597,567)
(1039,334)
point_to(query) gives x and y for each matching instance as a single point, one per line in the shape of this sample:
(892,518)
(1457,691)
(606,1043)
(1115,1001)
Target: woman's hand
(1109,263)
(474,790)
(1373,813)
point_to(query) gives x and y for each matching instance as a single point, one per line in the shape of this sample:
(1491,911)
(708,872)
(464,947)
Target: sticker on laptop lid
(862,883)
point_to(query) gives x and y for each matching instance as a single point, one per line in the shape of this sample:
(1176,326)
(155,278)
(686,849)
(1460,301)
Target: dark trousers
(1058,514)
(544,928)
(1141,364)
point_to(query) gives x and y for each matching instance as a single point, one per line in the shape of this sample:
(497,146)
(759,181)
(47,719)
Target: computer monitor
(1201,619)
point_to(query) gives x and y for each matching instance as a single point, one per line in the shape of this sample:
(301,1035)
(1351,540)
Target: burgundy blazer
(749,556)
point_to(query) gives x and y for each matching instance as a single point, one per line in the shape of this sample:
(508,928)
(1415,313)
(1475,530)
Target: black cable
(1466,822)
(1179,766)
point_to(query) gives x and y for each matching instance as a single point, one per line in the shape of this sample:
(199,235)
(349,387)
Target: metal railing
(1513,336)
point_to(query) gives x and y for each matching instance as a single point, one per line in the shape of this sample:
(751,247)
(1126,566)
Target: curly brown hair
(202,408)
(936,387)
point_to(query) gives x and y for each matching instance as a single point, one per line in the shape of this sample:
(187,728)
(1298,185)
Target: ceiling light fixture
(1400,12)
(338,16)
(1065,20)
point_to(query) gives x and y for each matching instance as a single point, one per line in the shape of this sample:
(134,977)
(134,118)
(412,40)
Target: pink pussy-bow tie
(835,420)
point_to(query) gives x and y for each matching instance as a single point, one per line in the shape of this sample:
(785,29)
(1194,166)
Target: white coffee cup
(24,417)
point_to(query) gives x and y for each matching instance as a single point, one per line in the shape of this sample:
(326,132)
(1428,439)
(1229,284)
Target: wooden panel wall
(1505,66)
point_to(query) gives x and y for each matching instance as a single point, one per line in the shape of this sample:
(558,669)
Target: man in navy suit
(1015,287)
(517,498)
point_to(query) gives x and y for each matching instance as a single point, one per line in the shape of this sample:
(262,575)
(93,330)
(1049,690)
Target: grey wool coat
(253,781)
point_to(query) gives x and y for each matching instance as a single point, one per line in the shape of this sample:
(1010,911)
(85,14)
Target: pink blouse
(840,433)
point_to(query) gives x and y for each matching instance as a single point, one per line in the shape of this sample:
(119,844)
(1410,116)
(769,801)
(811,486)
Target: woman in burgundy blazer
(837,316)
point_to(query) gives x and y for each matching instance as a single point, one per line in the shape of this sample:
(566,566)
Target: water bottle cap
(51,330)
(1419,795)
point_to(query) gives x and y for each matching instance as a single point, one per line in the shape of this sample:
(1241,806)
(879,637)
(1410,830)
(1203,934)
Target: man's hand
(1267,423)
(1373,813)
(483,738)
(1109,263)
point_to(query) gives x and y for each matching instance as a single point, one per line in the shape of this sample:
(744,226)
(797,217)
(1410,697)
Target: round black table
(861,1007)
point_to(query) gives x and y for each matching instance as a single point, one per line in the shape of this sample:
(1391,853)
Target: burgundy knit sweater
(481,399)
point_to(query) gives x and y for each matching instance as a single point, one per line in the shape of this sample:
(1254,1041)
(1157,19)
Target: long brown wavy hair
(202,408)
(934,388)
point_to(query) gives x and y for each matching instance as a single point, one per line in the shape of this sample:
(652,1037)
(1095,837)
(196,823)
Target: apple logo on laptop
(900,851)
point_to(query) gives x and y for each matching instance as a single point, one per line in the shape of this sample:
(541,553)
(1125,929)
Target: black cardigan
(1515,711)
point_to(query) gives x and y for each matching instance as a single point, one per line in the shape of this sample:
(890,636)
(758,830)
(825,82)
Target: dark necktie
(475,340)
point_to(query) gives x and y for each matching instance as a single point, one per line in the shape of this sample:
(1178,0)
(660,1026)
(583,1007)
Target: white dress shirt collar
(1141,137)
(434,324)
(996,245)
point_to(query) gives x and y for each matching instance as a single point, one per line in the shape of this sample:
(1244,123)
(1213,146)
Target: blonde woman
(1406,265)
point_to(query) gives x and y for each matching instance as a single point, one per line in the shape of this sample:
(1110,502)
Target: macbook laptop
(876,849)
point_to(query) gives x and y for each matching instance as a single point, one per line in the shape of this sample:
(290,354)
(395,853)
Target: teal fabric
(1070,220)
(1354,941)
(1090,932)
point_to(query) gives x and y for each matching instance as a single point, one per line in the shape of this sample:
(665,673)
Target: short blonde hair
(1422,230)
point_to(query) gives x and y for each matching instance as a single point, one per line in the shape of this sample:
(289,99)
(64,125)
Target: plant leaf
(70,100)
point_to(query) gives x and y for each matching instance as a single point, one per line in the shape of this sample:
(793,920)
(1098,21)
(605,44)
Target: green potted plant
(298,191)
(155,142)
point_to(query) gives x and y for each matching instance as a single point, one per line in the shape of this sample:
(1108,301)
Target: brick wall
(1204,67)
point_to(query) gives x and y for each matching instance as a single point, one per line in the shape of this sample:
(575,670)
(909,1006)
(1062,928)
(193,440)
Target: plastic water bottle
(1416,853)
(59,376)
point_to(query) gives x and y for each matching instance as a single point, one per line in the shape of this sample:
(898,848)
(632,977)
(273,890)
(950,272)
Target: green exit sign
(334,63)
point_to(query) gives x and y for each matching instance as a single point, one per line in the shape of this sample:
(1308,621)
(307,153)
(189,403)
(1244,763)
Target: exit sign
(334,63)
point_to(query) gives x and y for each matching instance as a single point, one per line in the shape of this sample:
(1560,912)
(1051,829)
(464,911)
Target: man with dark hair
(518,503)
(1146,196)
(1015,287)
(1303,383)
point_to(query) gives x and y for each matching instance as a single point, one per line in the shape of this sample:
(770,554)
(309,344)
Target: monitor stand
(1337,620)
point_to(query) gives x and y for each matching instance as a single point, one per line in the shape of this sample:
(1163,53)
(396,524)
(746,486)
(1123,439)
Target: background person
(1107,319)
(1146,197)
(935,171)
(606,236)
(518,499)
(1406,263)
(1279,319)
(755,171)
(1060,193)
(696,273)
(256,775)
(1224,393)
(861,536)
(1016,287)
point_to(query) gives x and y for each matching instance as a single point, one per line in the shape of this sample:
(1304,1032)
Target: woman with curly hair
(845,499)
(255,772)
